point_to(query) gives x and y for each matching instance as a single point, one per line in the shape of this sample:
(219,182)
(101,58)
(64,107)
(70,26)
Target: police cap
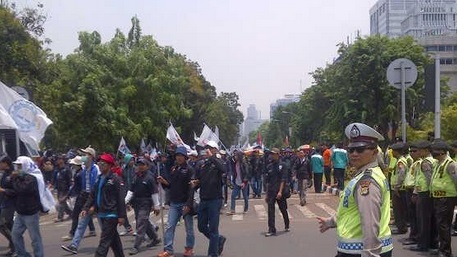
(361,134)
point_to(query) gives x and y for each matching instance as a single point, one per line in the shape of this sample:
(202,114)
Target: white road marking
(326,208)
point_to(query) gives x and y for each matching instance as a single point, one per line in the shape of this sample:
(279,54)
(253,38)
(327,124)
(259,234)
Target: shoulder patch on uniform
(364,186)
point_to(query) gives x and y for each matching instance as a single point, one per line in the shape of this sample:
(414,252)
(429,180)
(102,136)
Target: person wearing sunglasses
(443,188)
(363,214)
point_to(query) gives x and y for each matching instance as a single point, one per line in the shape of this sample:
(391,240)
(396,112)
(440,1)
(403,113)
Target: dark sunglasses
(438,153)
(413,151)
(359,149)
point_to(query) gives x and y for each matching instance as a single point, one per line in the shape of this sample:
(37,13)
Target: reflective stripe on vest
(349,228)
(442,184)
(421,181)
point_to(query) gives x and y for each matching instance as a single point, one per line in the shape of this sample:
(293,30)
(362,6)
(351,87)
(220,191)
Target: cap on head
(181,150)
(6,159)
(439,144)
(88,150)
(212,144)
(400,146)
(421,144)
(275,150)
(362,135)
(76,161)
(108,158)
(142,160)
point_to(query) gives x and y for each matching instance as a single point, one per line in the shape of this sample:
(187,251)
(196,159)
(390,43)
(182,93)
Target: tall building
(433,23)
(252,121)
(289,98)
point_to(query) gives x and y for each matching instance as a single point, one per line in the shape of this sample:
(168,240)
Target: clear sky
(259,49)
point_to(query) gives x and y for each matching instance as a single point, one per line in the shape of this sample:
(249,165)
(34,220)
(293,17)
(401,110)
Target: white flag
(6,122)
(207,135)
(30,120)
(123,147)
(174,137)
(143,146)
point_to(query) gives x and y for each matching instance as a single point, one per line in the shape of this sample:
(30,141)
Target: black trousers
(282,203)
(411,210)
(6,224)
(400,213)
(444,211)
(327,173)
(317,182)
(339,254)
(426,225)
(109,238)
(339,177)
(79,204)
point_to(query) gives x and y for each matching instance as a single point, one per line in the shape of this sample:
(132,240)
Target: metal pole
(403,103)
(437,97)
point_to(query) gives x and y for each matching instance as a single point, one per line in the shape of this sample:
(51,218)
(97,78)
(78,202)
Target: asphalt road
(244,232)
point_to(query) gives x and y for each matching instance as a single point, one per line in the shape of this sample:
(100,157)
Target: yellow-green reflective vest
(410,178)
(349,228)
(421,180)
(394,176)
(442,184)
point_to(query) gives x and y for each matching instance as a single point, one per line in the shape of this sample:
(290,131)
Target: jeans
(236,190)
(208,223)
(32,224)
(174,215)
(79,204)
(79,233)
(256,183)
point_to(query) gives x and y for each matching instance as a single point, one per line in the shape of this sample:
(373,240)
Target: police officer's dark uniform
(276,178)
(363,215)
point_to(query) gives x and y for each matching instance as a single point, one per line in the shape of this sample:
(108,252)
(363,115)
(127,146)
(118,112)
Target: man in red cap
(107,200)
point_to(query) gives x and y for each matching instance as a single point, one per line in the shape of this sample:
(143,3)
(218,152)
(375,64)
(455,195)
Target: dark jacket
(62,179)
(7,198)
(76,188)
(302,168)
(244,171)
(210,172)
(275,174)
(111,196)
(144,185)
(179,184)
(27,194)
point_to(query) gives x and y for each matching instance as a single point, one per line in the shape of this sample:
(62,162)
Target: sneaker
(67,237)
(91,234)
(222,240)
(126,232)
(268,234)
(166,254)
(188,252)
(287,229)
(70,248)
(134,251)
(154,243)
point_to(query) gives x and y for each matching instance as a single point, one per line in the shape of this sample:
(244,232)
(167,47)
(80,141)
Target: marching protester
(276,179)
(209,174)
(81,197)
(339,162)
(302,173)
(128,174)
(62,182)
(240,181)
(363,215)
(7,201)
(28,185)
(143,195)
(107,201)
(317,166)
(181,203)
(257,165)
(89,176)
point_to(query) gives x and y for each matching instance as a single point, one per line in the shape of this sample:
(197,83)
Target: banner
(174,137)
(30,120)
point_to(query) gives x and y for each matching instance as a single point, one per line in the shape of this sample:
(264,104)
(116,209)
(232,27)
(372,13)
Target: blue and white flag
(31,121)
(123,147)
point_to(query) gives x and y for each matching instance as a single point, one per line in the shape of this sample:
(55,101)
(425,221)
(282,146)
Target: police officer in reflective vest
(397,182)
(362,219)
(443,188)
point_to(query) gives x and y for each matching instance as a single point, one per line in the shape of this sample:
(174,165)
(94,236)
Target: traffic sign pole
(403,102)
